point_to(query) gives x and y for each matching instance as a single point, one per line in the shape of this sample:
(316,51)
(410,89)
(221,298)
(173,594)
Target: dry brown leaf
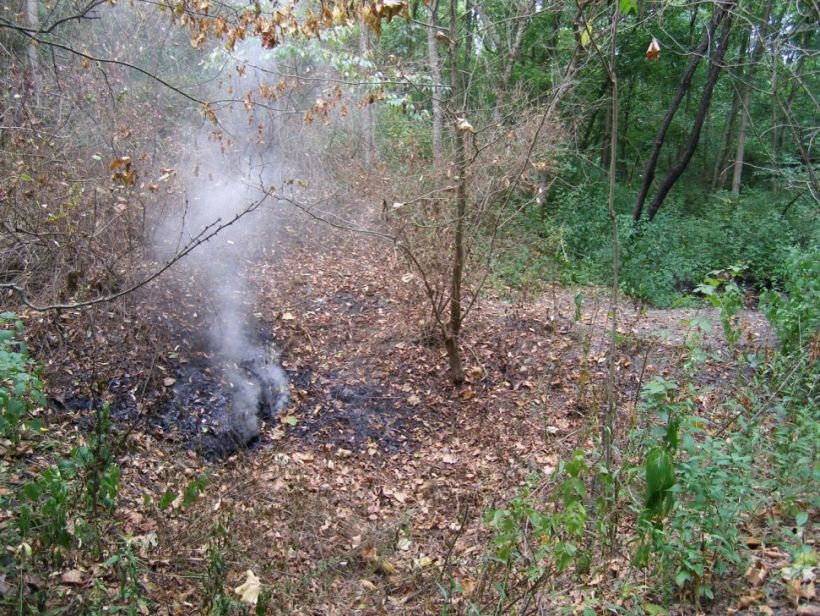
(75,576)
(654,50)
(746,601)
(756,574)
(367,585)
(249,591)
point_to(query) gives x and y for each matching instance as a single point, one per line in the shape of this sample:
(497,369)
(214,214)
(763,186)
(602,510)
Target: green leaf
(167,498)
(660,477)
(627,6)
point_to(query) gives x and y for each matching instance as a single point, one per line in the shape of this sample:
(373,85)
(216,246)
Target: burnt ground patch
(355,416)
(217,411)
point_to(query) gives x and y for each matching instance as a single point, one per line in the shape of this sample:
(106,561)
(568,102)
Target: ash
(219,406)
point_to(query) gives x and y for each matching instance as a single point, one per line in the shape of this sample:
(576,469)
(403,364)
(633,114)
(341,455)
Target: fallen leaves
(74,577)
(249,591)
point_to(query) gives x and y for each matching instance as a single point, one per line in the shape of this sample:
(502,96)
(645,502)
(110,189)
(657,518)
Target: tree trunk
(469,28)
(624,128)
(33,22)
(722,160)
(453,333)
(606,137)
(715,66)
(587,138)
(369,129)
(747,87)
(741,142)
(435,76)
(512,56)
(686,81)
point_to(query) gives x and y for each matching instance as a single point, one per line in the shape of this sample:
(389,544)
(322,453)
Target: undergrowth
(65,550)
(568,241)
(691,485)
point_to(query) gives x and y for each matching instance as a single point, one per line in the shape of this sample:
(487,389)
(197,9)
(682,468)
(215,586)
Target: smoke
(227,172)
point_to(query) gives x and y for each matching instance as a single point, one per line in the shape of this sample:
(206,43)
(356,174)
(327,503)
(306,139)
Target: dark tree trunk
(721,12)
(453,330)
(715,66)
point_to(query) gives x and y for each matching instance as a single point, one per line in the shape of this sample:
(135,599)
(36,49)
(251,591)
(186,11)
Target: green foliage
(722,292)
(20,384)
(62,510)
(216,601)
(694,494)
(795,314)
(695,234)
(702,480)
(536,539)
(129,597)
(792,452)
(60,507)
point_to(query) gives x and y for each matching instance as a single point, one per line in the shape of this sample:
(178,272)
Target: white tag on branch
(463,124)
(249,591)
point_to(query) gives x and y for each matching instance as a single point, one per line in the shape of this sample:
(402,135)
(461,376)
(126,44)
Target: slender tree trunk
(369,129)
(624,130)
(469,28)
(435,76)
(512,56)
(458,103)
(719,15)
(722,160)
(741,142)
(587,138)
(746,96)
(715,66)
(780,130)
(606,137)
(33,21)
(693,20)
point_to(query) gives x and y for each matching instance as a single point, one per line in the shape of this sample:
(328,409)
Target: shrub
(795,314)
(20,384)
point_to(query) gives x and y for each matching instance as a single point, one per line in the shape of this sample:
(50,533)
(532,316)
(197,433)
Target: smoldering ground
(233,174)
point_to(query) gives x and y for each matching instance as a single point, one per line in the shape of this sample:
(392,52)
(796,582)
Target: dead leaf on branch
(443,38)
(463,125)
(654,50)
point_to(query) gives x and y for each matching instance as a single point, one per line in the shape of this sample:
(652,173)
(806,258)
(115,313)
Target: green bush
(795,314)
(662,261)
(20,384)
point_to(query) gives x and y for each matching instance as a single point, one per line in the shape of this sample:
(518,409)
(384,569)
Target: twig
(203,236)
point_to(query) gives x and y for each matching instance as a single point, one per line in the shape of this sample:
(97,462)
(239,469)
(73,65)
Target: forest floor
(367,495)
